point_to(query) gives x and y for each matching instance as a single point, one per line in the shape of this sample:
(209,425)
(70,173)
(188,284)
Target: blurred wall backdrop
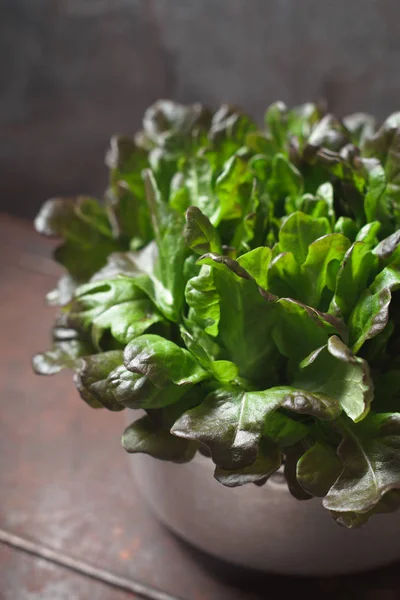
(72,72)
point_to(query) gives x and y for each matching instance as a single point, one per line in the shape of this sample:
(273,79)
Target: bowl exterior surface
(264,528)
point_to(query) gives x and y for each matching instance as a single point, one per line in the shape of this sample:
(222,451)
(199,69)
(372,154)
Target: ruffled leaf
(230,421)
(232,188)
(102,378)
(246,320)
(256,263)
(117,305)
(283,430)
(267,462)
(91,379)
(358,268)
(335,372)
(309,327)
(371,314)
(370,454)
(318,469)
(162,361)
(125,197)
(168,228)
(63,355)
(389,503)
(299,231)
(83,224)
(203,299)
(199,233)
(147,437)
(168,124)
(321,265)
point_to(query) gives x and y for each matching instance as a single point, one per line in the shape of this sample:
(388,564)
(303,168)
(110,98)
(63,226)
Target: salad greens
(240,285)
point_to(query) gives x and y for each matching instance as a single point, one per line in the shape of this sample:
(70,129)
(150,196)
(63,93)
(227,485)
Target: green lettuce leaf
(168,228)
(228,132)
(387,504)
(284,278)
(320,205)
(125,197)
(327,134)
(377,203)
(276,118)
(346,227)
(292,456)
(246,320)
(267,462)
(230,421)
(337,373)
(386,250)
(232,188)
(83,224)
(131,264)
(199,233)
(117,305)
(285,183)
(360,126)
(64,354)
(162,361)
(309,327)
(148,437)
(384,145)
(370,454)
(318,469)
(91,379)
(256,263)
(223,370)
(104,379)
(283,430)
(197,186)
(371,314)
(171,125)
(321,265)
(203,299)
(357,269)
(368,234)
(299,231)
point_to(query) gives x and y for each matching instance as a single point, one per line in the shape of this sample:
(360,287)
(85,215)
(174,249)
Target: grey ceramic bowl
(262,528)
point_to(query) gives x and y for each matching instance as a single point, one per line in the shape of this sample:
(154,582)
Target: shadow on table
(379,584)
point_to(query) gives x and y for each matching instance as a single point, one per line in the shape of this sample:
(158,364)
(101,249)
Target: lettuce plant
(239,285)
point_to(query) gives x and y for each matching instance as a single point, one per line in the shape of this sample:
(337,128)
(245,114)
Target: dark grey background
(72,72)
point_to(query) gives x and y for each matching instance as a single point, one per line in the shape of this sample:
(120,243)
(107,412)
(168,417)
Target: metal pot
(261,527)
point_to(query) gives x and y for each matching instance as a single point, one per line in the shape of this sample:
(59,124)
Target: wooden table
(65,482)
